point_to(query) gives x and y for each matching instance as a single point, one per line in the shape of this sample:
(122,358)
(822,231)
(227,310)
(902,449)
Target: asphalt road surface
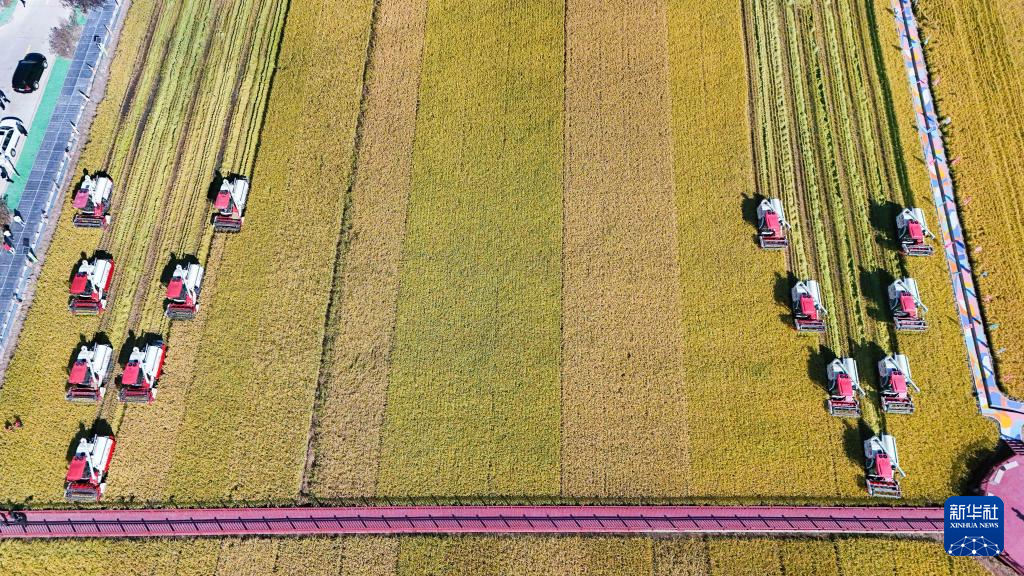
(27,31)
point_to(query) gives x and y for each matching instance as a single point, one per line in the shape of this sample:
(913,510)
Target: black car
(29,71)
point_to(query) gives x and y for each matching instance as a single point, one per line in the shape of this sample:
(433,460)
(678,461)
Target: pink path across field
(471,519)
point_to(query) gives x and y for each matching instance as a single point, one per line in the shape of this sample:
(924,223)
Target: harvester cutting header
(183,292)
(92,200)
(142,373)
(913,230)
(87,381)
(772,225)
(86,480)
(230,204)
(90,285)
(808,310)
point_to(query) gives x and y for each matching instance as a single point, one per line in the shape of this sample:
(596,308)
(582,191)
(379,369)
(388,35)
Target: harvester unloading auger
(772,225)
(230,204)
(90,284)
(913,231)
(906,306)
(142,373)
(894,374)
(808,310)
(92,200)
(86,480)
(90,372)
(183,292)
(844,387)
(881,463)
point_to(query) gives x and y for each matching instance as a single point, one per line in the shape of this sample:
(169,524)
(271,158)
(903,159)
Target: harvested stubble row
(473,397)
(974,53)
(480,556)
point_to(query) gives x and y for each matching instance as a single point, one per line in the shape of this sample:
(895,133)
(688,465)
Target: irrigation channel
(992,403)
(471,520)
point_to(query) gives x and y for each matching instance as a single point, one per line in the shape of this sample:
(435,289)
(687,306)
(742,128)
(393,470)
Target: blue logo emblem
(974,526)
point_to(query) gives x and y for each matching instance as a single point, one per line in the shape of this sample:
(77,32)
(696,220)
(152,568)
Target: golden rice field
(480,556)
(499,251)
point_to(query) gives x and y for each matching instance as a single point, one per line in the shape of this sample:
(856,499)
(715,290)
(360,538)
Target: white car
(12,136)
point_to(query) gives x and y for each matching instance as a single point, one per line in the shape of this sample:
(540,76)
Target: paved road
(28,31)
(474,520)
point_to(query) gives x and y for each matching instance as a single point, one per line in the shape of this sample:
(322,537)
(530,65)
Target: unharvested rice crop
(974,53)
(756,422)
(245,425)
(482,556)
(623,416)
(473,395)
(361,317)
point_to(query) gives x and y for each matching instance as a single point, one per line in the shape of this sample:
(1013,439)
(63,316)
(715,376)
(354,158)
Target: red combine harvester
(230,204)
(913,230)
(139,380)
(894,373)
(92,200)
(88,379)
(844,386)
(808,312)
(772,225)
(906,306)
(183,292)
(881,463)
(86,480)
(89,286)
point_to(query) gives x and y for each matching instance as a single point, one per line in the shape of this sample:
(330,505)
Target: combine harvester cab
(844,386)
(183,292)
(92,200)
(913,231)
(86,480)
(772,225)
(141,375)
(808,311)
(230,204)
(881,463)
(906,305)
(894,374)
(90,285)
(88,379)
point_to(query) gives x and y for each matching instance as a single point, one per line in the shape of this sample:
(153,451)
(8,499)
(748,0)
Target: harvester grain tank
(86,480)
(844,386)
(87,381)
(92,200)
(894,374)
(772,225)
(142,373)
(230,204)
(906,306)
(90,285)
(183,292)
(913,233)
(881,464)
(808,311)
